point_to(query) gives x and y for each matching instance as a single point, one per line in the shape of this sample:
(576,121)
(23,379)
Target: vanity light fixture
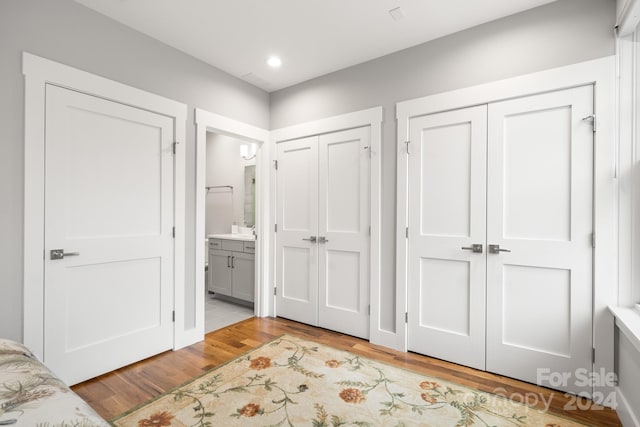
(247,151)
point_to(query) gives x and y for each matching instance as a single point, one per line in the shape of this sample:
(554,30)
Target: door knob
(60,254)
(476,248)
(495,249)
(322,239)
(311,239)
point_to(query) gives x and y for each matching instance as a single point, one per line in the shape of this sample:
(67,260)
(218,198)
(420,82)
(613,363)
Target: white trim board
(210,122)
(371,117)
(38,72)
(625,411)
(600,73)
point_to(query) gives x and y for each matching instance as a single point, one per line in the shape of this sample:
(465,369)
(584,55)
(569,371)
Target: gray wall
(64,31)
(561,33)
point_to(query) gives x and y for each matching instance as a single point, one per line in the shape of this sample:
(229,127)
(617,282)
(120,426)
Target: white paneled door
(539,213)
(500,237)
(447,217)
(108,234)
(323,231)
(297,222)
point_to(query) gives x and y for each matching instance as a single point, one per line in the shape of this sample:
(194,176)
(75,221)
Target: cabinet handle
(228,261)
(233,262)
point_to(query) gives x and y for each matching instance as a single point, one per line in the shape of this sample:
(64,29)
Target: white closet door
(540,186)
(343,232)
(109,206)
(447,199)
(297,220)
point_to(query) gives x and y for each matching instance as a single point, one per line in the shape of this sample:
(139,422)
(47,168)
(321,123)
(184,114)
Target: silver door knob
(495,249)
(322,239)
(60,254)
(476,248)
(311,239)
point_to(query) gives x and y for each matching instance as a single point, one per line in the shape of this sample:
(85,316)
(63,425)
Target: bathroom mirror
(250,195)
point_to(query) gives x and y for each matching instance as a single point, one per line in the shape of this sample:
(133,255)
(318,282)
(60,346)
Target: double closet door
(322,237)
(500,236)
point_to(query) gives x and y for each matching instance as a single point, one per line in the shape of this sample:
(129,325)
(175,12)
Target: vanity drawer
(250,247)
(215,244)
(232,245)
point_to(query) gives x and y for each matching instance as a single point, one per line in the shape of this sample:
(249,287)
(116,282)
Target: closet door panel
(540,203)
(344,231)
(297,220)
(447,201)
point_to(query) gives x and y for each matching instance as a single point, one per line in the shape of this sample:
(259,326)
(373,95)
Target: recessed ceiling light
(274,62)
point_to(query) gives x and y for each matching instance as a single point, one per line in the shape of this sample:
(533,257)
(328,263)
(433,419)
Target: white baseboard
(625,412)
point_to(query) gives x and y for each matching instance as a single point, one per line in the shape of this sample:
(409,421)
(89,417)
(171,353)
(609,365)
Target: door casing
(39,72)
(210,122)
(373,118)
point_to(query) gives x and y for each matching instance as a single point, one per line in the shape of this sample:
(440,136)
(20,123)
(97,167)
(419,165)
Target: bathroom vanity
(232,265)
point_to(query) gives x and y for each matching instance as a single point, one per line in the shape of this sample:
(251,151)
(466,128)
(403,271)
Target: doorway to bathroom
(231,236)
(230,213)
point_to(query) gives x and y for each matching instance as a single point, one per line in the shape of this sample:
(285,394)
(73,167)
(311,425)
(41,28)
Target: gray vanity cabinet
(232,268)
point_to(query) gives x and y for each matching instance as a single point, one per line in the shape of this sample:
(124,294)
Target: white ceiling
(313,37)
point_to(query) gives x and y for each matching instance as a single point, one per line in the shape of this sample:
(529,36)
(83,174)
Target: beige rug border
(171,390)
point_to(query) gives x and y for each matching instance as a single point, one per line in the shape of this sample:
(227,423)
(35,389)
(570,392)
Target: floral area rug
(294,382)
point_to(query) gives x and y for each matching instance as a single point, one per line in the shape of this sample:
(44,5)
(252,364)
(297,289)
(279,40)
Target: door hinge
(173,316)
(369,231)
(175,144)
(275,291)
(406,317)
(275,164)
(406,232)
(369,309)
(173,232)
(593,355)
(275,228)
(407,144)
(593,239)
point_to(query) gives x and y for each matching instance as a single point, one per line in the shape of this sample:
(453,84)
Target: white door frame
(600,73)
(210,122)
(38,73)
(371,117)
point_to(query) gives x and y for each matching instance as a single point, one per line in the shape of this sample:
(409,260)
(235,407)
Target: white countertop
(235,236)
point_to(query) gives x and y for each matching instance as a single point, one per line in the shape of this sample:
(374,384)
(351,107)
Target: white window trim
(627,309)
(600,73)
(373,118)
(210,122)
(38,72)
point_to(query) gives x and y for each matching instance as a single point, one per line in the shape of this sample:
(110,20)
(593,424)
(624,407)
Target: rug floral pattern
(294,382)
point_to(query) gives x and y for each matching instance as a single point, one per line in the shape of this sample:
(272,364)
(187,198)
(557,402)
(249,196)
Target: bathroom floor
(220,312)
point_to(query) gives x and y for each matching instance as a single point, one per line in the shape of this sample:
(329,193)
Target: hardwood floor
(121,390)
